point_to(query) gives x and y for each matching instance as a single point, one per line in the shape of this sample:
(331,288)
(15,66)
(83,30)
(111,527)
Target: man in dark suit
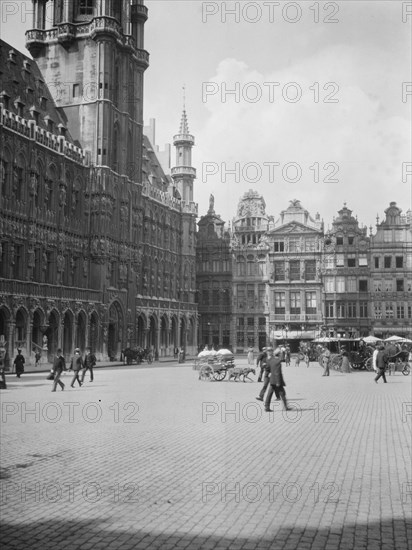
(89,363)
(381,359)
(58,367)
(76,366)
(277,383)
(261,362)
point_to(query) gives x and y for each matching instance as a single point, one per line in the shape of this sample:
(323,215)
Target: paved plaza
(153,458)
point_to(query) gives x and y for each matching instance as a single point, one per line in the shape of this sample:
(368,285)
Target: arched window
(40,184)
(76,207)
(5,173)
(69,197)
(19,171)
(251,266)
(50,187)
(115,148)
(241,266)
(131,169)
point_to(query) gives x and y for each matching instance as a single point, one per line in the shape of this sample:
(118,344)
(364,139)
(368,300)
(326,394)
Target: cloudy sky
(316,112)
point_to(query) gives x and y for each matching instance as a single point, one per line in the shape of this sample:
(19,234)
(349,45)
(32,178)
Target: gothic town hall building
(97,242)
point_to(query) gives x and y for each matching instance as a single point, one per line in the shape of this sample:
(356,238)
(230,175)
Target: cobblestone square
(154,458)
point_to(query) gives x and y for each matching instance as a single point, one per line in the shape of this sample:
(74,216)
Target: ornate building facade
(391,274)
(214,280)
(291,281)
(97,242)
(346,278)
(250,322)
(295,243)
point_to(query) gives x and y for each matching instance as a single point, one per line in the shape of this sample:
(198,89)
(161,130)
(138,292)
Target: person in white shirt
(374,356)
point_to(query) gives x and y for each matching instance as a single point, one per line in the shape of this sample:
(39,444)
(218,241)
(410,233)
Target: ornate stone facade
(292,281)
(214,280)
(96,247)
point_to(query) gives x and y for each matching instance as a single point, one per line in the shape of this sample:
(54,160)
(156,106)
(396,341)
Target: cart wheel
(368,364)
(219,375)
(356,366)
(406,370)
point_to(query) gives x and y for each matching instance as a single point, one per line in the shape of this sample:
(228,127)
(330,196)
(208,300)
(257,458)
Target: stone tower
(183,175)
(92,58)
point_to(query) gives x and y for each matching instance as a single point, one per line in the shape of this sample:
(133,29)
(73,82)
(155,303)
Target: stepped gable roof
(22,85)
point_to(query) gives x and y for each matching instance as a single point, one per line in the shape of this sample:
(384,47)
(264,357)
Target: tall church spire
(183,172)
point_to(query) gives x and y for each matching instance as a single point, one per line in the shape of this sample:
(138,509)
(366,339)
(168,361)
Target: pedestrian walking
(277,383)
(59,366)
(287,355)
(260,363)
(381,364)
(266,375)
(37,357)
(374,356)
(19,363)
(3,384)
(89,363)
(250,358)
(325,361)
(76,366)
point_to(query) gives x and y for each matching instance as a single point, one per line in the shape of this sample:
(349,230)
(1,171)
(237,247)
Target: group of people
(269,361)
(78,365)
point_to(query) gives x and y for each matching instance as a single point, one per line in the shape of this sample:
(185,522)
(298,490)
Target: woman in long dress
(250,356)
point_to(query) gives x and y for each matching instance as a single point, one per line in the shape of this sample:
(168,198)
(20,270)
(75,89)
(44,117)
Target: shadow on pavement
(91,533)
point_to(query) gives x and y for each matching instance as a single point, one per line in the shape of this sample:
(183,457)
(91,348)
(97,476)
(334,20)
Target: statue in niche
(47,189)
(33,184)
(60,263)
(30,258)
(62,196)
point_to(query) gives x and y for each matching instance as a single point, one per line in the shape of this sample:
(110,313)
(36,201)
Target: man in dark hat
(89,363)
(381,363)
(277,383)
(76,366)
(261,362)
(19,362)
(58,367)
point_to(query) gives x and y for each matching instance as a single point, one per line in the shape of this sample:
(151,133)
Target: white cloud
(359,133)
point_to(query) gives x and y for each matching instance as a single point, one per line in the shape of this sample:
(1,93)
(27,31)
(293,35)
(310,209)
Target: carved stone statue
(33,184)
(30,258)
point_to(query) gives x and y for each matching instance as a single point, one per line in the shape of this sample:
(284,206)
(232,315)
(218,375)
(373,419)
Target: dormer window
(62,129)
(43,103)
(12,56)
(5,99)
(34,114)
(19,105)
(49,124)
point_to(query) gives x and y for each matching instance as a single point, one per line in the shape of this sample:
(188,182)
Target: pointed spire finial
(184,96)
